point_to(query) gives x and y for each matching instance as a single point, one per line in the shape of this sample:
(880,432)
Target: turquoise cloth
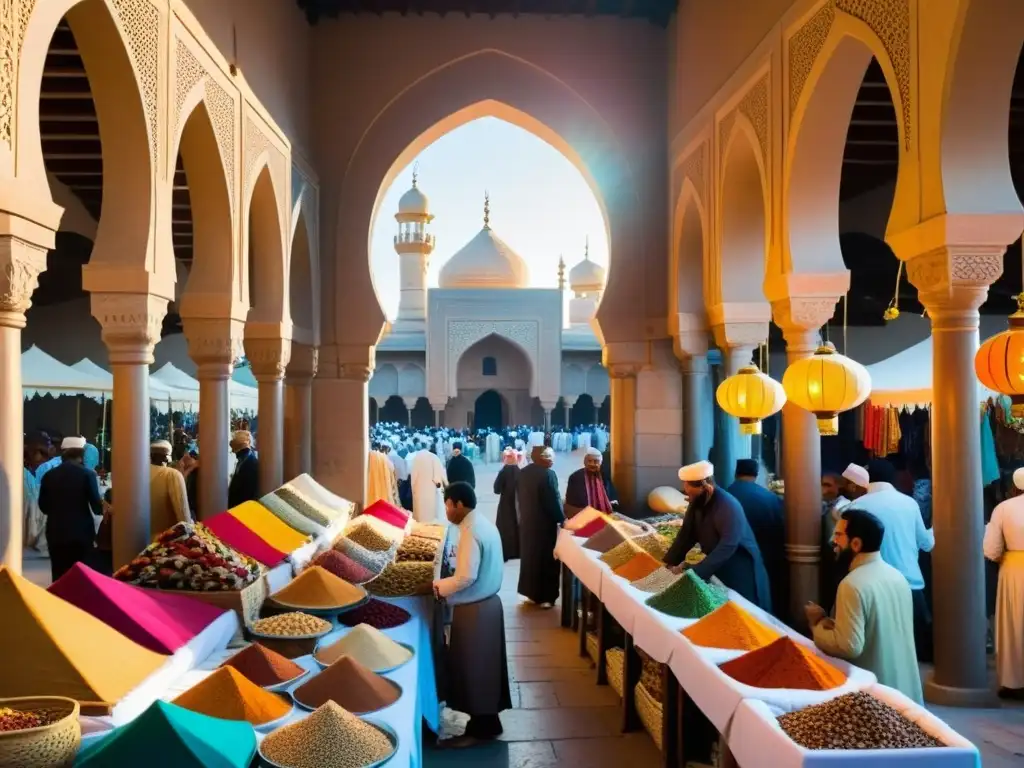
(91,460)
(989,460)
(168,736)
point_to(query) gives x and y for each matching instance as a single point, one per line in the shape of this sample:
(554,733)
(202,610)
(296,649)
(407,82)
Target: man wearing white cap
(168,495)
(1004,544)
(69,496)
(715,520)
(857,481)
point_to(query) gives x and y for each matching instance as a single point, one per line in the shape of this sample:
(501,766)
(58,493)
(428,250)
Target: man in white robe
(1004,544)
(428,478)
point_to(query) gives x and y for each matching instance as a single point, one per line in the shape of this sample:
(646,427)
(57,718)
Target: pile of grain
(784,664)
(365,534)
(376,613)
(606,539)
(651,675)
(372,560)
(403,580)
(367,645)
(343,566)
(658,581)
(294,624)
(328,738)
(621,554)
(263,666)
(351,685)
(638,567)
(653,544)
(732,628)
(418,549)
(690,597)
(854,721)
(305,506)
(429,531)
(230,696)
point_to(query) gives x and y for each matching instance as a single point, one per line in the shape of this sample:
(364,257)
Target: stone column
(131,325)
(569,403)
(298,410)
(438,410)
(213,345)
(623,429)
(695,371)
(269,360)
(410,406)
(549,408)
(20,265)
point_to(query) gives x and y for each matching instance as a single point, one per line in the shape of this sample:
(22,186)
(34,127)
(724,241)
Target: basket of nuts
(39,731)
(291,634)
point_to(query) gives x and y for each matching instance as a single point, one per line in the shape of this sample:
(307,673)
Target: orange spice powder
(732,628)
(784,664)
(638,567)
(229,695)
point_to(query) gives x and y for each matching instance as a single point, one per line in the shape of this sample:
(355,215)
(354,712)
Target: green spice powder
(689,598)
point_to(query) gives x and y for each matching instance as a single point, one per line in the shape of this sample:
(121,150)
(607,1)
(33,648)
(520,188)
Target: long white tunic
(1004,543)
(426,471)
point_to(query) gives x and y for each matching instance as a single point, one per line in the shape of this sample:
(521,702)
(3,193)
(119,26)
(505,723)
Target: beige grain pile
(293,624)
(403,580)
(656,582)
(330,737)
(621,554)
(367,645)
(429,531)
(366,535)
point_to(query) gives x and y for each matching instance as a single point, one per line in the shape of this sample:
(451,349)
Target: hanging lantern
(751,396)
(999,362)
(827,383)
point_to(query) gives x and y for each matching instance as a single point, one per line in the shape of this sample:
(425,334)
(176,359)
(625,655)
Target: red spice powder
(377,613)
(343,566)
(784,664)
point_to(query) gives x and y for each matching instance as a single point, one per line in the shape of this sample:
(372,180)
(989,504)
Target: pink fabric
(159,621)
(233,532)
(597,497)
(389,513)
(590,528)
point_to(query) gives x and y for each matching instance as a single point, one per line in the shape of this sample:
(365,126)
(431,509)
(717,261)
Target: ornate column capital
(131,324)
(625,359)
(268,358)
(955,279)
(624,370)
(334,359)
(740,324)
(21,263)
(355,372)
(302,367)
(214,345)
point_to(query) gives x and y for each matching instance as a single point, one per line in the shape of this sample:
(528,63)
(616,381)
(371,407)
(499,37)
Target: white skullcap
(695,473)
(857,475)
(72,443)
(161,445)
(594,452)
(1018,478)
(242,436)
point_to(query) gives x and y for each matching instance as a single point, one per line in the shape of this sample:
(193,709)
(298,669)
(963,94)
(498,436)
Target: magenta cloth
(389,513)
(156,620)
(591,528)
(597,497)
(233,532)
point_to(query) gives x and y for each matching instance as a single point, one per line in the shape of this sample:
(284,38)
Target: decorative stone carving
(21,263)
(140,20)
(803,49)
(464,334)
(214,343)
(130,323)
(8,66)
(942,270)
(890,21)
(188,73)
(303,363)
(356,372)
(753,106)
(624,370)
(740,335)
(693,169)
(268,357)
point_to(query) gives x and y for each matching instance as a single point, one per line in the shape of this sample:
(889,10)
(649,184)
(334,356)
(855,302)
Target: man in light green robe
(874,614)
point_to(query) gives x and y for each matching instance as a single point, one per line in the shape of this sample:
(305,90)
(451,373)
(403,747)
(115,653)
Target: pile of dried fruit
(418,549)
(17,720)
(294,624)
(403,579)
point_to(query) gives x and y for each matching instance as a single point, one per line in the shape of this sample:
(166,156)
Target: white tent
(172,376)
(906,377)
(158,391)
(45,375)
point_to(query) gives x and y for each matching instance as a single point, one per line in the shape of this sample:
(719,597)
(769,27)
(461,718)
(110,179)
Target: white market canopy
(158,391)
(906,377)
(42,374)
(241,396)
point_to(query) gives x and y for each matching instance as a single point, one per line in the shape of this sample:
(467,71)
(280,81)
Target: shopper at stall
(477,665)
(168,496)
(540,516)
(1004,544)
(833,502)
(715,520)
(906,536)
(874,616)
(460,468)
(245,480)
(69,496)
(587,487)
(763,510)
(507,519)
(428,476)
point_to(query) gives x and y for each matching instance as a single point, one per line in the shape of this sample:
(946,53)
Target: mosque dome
(486,261)
(414,202)
(587,275)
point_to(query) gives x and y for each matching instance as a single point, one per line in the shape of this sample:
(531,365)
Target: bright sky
(540,204)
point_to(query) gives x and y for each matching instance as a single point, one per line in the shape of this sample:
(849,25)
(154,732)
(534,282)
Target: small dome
(414,202)
(586,276)
(486,261)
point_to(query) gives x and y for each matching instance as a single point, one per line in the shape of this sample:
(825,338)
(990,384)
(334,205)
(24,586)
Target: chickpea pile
(294,624)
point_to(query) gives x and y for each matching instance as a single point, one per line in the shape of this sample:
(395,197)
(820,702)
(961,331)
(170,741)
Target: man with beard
(540,516)
(587,487)
(874,617)
(460,468)
(715,520)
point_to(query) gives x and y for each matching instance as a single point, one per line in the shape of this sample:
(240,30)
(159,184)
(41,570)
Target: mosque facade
(484,349)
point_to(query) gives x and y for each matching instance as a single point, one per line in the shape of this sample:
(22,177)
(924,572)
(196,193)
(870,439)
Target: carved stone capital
(355,372)
(268,358)
(131,324)
(624,370)
(740,336)
(214,345)
(803,313)
(303,364)
(625,359)
(21,263)
(955,277)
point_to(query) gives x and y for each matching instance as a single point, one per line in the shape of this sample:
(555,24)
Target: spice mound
(230,696)
(403,579)
(318,589)
(328,738)
(348,683)
(854,721)
(418,549)
(370,647)
(294,624)
(620,554)
(609,537)
(429,531)
(784,664)
(343,566)
(639,566)
(376,613)
(366,534)
(690,597)
(657,581)
(732,628)
(263,666)
(22,720)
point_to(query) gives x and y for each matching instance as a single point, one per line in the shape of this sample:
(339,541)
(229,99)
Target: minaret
(561,273)
(414,245)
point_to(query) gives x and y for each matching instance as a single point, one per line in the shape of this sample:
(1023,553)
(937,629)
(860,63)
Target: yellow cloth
(381,481)
(1010,621)
(51,648)
(264,524)
(168,500)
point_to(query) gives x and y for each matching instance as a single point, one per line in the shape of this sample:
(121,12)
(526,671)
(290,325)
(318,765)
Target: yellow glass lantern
(999,362)
(827,383)
(750,396)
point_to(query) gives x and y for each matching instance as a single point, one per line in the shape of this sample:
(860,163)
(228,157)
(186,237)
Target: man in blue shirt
(763,510)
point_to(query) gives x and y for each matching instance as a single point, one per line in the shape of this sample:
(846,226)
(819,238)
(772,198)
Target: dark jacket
(245,482)
(69,496)
(763,510)
(460,469)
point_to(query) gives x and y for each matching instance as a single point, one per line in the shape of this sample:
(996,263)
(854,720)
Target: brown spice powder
(264,666)
(351,685)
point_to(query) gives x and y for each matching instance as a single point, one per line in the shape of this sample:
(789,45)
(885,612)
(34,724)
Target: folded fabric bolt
(234,533)
(262,522)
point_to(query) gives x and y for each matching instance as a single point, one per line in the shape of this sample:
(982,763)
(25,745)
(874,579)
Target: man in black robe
(69,496)
(715,520)
(460,469)
(507,519)
(763,510)
(540,516)
(587,487)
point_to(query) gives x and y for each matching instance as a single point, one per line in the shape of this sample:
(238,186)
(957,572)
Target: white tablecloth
(584,563)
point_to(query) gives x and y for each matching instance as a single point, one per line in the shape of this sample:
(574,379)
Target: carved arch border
(693,187)
(463,334)
(306,205)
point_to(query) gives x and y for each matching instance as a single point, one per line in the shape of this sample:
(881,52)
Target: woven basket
(615,667)
(49,746)
(592,646)
(651,713)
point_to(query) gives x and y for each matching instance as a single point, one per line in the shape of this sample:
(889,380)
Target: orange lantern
(999,362)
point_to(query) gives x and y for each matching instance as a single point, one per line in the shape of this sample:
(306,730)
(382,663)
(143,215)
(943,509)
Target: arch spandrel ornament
(139,21)
(463,334)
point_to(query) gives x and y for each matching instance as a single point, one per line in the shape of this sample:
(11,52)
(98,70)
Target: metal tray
(284,686)
(382,727)
(412,652)
(309,708)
